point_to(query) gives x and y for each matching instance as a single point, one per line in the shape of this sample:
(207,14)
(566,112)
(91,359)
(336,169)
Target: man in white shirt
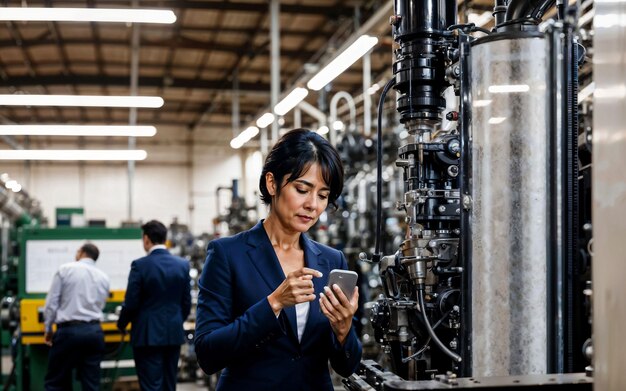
(74,303)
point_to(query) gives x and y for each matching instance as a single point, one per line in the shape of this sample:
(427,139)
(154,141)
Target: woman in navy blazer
(264,311)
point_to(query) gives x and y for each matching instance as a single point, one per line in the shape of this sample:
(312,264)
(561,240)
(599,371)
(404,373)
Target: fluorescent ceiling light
(290,101)
(373,88)
(496,120)
(265,120)
(81,100)
(72,154)
(77,130)
(13,186)
(244,137)
(500,89)
(249,133)
(122,15)
(342,62)
(323,130)
(481,103)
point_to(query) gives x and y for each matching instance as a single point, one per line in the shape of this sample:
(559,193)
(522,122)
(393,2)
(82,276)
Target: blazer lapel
(263,257)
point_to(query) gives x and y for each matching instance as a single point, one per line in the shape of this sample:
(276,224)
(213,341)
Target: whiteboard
(43,258)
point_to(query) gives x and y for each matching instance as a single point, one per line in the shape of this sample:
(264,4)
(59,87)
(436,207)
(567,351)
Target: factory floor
(190,387)
(195,387)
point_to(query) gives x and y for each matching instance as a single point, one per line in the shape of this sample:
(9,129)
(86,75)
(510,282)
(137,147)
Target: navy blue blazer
(236,328)
(157,300)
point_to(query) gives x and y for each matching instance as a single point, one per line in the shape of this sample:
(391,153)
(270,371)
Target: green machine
(41,252)
(16,210)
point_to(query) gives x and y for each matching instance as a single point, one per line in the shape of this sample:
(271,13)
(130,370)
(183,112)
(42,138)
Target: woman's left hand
(339,310)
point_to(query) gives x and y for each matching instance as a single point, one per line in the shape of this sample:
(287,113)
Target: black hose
(431,332)
(527,9)
(379,175)
(541,9)
(499,12)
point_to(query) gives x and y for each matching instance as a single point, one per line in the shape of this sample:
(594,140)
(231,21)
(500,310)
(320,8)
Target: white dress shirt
(302,313)
(157,247)
(79,291)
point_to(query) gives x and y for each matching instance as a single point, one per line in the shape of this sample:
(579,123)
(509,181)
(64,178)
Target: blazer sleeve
(186,299)
(131,299)
(220,338)
(345,359)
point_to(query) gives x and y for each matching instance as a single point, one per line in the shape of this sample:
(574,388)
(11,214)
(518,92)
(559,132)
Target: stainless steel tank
(509,213)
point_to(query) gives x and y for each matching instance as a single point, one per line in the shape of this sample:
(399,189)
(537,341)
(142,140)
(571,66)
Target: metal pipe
(4,242)
(217,197)
(333,113)
(313,112)
(275,60)
(451,12)
(264,143)
(297,117)
(235,102)
(132,117)
(367,98)
(499,12)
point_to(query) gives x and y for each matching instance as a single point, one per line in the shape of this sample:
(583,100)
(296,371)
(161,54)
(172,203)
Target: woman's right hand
(296,288)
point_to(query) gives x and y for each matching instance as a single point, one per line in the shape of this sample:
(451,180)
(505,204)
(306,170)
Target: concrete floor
(190,387)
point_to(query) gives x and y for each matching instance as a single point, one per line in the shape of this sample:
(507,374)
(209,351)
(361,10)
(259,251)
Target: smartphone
(345,279)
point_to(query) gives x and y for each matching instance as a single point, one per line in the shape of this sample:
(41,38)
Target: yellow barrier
(32,326)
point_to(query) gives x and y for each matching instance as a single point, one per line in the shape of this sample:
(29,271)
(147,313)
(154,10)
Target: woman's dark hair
(292,156)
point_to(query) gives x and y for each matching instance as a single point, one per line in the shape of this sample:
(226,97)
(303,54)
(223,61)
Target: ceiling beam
(180,43)
(217,5)
(287,32)
(26,119)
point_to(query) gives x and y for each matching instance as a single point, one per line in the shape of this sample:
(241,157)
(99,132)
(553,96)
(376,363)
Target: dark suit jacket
(236,328)
(157,300)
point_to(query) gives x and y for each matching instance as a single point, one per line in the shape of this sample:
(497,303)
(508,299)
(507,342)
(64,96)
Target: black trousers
(80,347)
(156,367)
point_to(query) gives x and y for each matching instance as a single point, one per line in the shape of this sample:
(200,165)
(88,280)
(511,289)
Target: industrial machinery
(239,216)
(17,210)
(487,281)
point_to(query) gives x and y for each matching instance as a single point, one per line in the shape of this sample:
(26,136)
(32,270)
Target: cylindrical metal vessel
(509,213)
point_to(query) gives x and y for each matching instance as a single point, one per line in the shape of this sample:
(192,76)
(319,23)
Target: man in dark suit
(157,303)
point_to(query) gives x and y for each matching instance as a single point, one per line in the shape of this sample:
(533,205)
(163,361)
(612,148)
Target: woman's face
(300,202)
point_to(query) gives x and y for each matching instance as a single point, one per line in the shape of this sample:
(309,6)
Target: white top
(79,291)
(302,313)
